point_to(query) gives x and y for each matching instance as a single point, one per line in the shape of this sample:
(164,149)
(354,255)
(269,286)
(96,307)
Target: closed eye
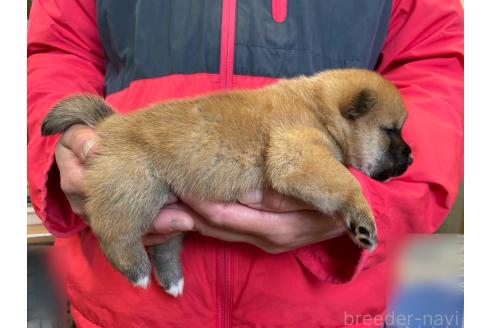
(391,132)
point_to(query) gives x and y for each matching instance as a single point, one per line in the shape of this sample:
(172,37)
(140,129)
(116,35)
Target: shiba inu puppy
(296,136)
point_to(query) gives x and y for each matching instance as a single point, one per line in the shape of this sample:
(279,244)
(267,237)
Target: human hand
(76,145)
(268,220)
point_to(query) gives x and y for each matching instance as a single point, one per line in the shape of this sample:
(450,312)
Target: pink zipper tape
(279,10)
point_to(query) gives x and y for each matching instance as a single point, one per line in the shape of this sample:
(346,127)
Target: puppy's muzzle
(400,158)
(404,160)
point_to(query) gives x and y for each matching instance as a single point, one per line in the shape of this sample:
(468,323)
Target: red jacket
(87,47)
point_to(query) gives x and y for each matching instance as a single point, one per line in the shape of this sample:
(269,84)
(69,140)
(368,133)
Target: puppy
(295,136)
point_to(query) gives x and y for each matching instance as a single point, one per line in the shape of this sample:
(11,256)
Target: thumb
(173,218)
(81,140)
(253,197)
(88,149)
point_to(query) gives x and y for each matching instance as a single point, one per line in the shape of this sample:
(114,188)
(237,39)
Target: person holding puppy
(269,260)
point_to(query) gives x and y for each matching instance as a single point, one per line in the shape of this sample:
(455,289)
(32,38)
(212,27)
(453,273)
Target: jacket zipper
(279,10)
(224,253)
(227,43)
(224,285)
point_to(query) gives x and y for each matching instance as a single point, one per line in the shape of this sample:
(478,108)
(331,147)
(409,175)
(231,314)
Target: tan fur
(294,136)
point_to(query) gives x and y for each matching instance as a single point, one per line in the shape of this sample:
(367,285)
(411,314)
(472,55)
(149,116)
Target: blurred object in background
(46,305)
(455,221)
(429,291)
(36,232)
(29,4)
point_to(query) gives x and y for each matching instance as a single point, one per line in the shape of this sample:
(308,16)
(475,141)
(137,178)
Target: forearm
(61,62)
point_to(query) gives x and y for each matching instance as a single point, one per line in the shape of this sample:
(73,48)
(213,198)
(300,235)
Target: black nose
(407,155)
(406,150)
(410,160)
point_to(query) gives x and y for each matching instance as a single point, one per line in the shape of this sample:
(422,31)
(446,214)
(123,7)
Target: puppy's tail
(84,109)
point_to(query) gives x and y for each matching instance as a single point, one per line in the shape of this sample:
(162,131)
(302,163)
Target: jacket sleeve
(423,57)
(64,57)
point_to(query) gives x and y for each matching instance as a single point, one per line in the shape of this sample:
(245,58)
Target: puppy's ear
(359,104)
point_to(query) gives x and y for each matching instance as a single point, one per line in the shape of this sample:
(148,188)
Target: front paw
(362,228)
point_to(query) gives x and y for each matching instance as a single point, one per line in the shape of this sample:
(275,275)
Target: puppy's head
(372,112)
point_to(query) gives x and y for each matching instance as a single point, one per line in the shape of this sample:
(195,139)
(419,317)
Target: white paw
(142,282)
(177,289)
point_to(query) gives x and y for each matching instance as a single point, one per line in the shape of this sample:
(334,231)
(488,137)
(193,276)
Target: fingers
(229,216)
(173,218)
(272,232)
(76,203)
(81,140)
(71,177)
(246,220)
(71,170)
(73,149)
(157,238)
(269,200)
(178,218)
(171,221)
